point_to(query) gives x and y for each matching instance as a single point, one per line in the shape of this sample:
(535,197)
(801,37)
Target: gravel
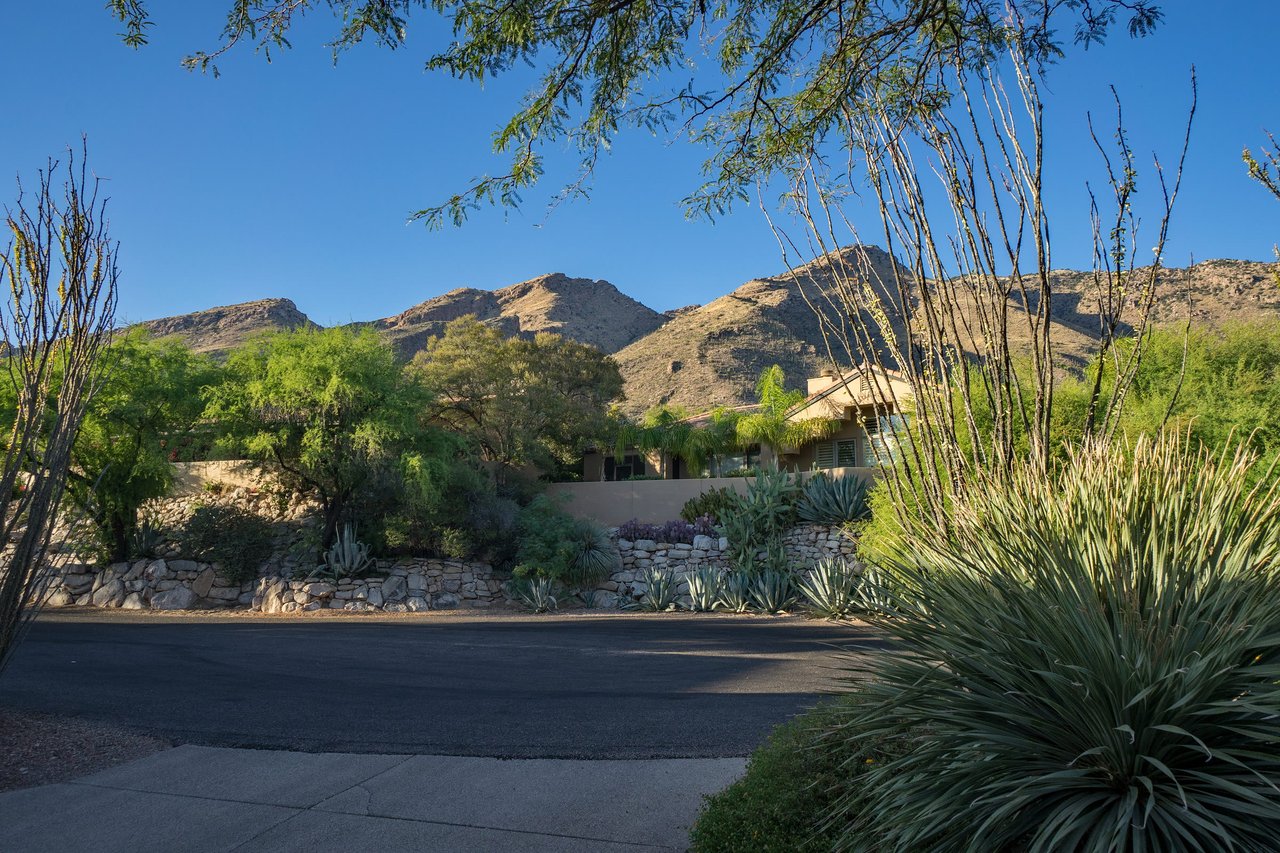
(41,749)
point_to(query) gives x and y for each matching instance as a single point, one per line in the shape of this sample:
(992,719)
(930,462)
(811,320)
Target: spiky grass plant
(660,591)
(1089,661)
(704,589)
(594,555)
(833,500)
(735,591)
(830,588)
(533,592)
(772,591)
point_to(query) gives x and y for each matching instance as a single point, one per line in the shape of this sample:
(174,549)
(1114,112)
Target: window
(837,454)
(721,466)
(631,465)
(880,443)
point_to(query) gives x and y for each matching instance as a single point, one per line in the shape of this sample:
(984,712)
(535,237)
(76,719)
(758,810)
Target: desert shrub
(791,784)
(236,540)
(555,545)
(347,557)
(456,543)
(1095,655)
(709,504)
(735,591)
(146,539)
(757,520)
(833,500)
(672,532)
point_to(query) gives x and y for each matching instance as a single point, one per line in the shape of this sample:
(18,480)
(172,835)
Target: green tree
(769,425)
(335,411)
(521,403)
(134,430)
(762,85)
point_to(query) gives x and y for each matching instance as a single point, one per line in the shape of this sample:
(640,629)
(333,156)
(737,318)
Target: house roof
(845,382)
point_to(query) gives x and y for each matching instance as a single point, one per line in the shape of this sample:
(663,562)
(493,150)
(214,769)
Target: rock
(109,594)
(393,588)
(59,598)
(183,566)
(397,607)
(703,543)
(723,544)
(313,606)
(135,572)
(158,570)
(417,583)
(203,583)
(319,589)
(178,598)
(133,601)
(375,596)
(445,601)
(645,545)
(84,600)
(417,604)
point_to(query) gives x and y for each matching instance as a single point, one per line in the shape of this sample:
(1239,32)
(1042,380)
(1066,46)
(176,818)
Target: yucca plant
(348,557)
(830,588)
(833,500)
(704,589)
(533,592)
(595,555)
(1089,661)
(772,591)
(735,591)
(660,590)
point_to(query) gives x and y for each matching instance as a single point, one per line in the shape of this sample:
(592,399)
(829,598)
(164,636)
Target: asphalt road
(572,686)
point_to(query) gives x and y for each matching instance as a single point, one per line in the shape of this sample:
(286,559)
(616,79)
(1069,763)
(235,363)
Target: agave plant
(146,539)
(1092,658)
(735,591)
(830,588)
(833,500)
(348,557)
(704,589)
(533,592)
(872,593)
(772,591)
(660,590)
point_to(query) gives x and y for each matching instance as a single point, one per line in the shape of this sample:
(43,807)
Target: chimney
(824,380)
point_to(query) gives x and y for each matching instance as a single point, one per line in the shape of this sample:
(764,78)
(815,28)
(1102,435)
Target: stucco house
(863,430)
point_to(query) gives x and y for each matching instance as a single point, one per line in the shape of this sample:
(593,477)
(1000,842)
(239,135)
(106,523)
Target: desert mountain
(701,356)
(591,312)
(217,330)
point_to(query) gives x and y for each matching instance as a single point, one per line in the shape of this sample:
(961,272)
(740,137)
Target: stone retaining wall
(805,544)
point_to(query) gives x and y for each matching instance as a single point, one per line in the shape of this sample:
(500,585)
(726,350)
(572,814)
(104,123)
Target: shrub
(833,500)
(758,519)
(555,545)
(791,784)
(709,504)
(830,588)
(1096,658)
(673,532)
(236,540)
(456,543)
(347,557)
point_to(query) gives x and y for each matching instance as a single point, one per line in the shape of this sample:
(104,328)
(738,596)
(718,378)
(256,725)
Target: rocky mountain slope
(216,331)
(591,312)
(701,356)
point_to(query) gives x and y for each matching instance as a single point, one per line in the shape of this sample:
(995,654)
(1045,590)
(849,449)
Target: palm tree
(769,424)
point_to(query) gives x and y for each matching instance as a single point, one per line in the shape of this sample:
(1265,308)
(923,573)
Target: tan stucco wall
(653,501)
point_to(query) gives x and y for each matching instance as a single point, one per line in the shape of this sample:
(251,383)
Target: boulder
(58,598)
(417,604)
(704,543)
(203,583)
(110,594)
(133,601)
(319,589)
(393,588)
(159,570)
(184,566)
(178,598)
(445,601)
(375,596)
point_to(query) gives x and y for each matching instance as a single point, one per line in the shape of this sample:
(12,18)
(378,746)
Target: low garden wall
(805,544)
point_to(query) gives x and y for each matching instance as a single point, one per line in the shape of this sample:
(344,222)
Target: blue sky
(294,178)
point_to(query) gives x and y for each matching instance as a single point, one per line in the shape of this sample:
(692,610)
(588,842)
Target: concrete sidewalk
(194,798)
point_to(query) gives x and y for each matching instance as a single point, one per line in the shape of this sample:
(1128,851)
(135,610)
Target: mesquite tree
(59,273)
